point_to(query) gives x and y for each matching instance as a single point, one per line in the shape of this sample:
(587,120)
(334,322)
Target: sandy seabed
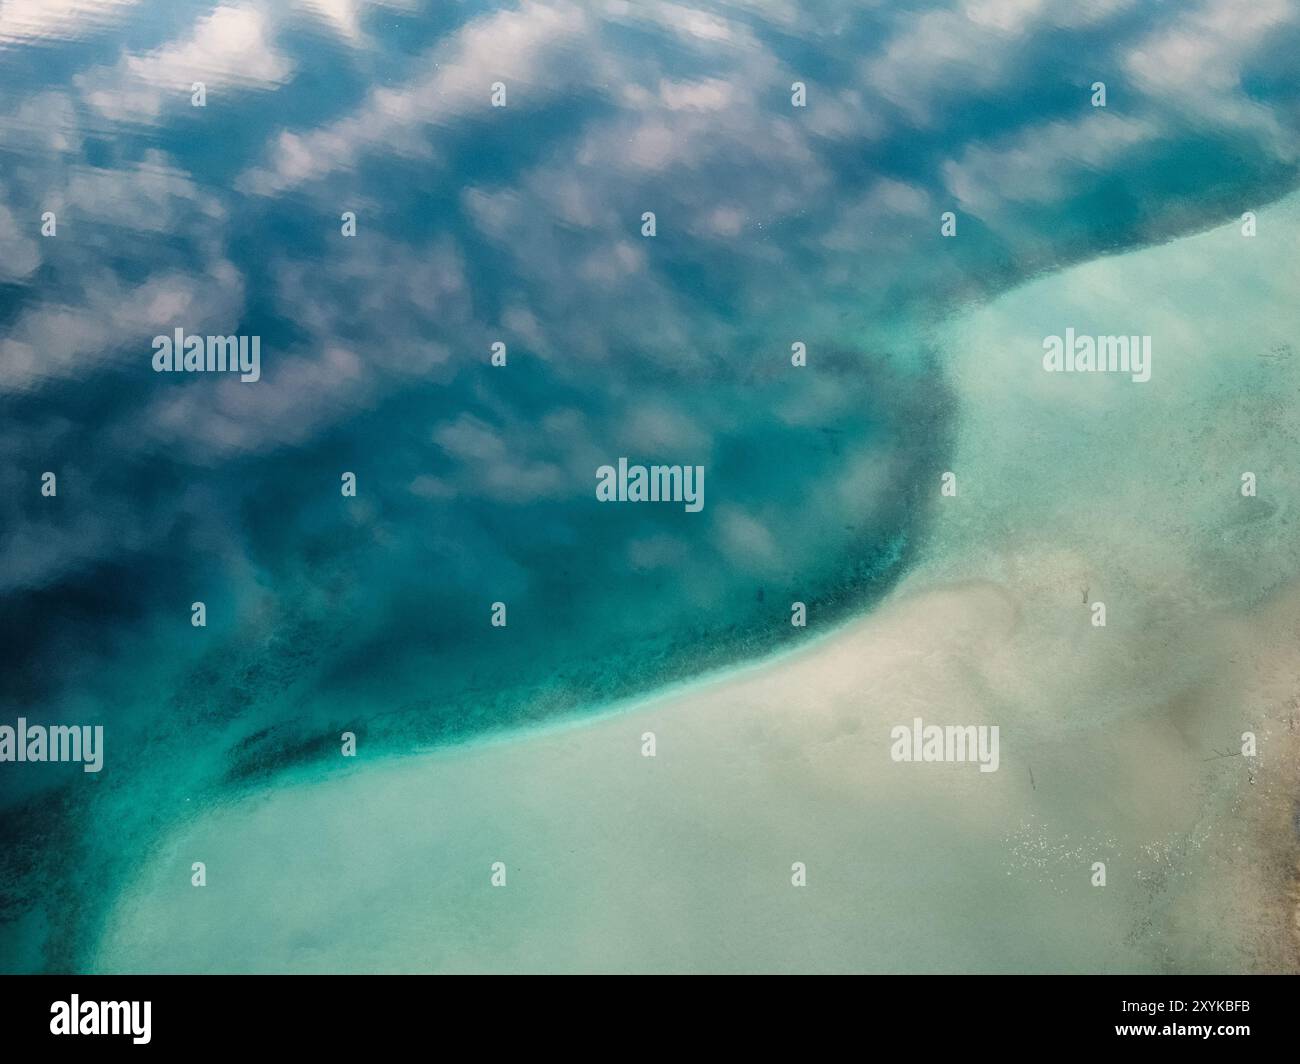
(1119,744)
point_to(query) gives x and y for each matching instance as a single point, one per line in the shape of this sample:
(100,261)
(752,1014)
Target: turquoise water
(519,224)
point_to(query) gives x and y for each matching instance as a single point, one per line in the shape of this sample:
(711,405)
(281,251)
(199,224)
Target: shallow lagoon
(1110,736)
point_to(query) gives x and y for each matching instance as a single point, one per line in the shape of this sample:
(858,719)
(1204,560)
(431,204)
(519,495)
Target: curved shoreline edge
(1128,495)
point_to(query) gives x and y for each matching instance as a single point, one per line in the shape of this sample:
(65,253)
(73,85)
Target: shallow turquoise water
(519,224)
